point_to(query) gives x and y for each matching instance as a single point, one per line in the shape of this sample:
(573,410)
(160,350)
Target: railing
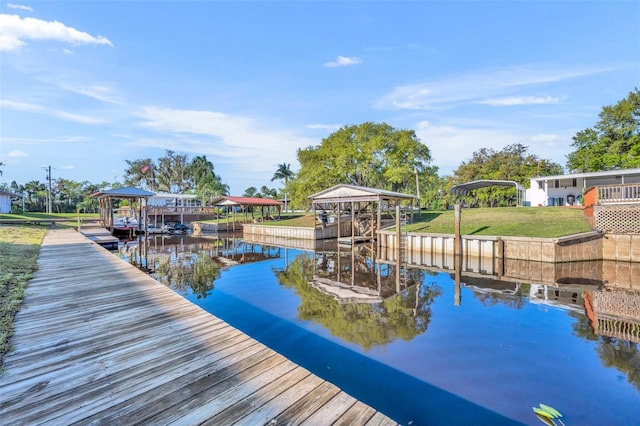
(628,193)
(181,210)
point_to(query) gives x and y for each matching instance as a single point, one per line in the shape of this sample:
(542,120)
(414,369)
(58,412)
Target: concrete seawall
(588,246)
(574,248)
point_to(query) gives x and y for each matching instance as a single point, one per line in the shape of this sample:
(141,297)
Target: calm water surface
(412,343)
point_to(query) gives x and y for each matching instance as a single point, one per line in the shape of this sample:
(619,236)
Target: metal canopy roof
(126,192)
(345,192)
(465,188)
(246,201)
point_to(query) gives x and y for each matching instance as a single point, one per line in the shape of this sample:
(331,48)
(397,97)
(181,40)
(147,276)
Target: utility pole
(49,201)
(415,170)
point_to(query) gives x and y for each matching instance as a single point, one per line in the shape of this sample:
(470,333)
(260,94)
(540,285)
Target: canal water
(414,343)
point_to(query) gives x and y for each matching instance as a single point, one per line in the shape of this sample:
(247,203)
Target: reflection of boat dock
(344,293)
(97,340)
(354,240)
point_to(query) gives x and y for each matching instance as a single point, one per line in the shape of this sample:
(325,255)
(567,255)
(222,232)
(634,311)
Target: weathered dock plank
(99,342)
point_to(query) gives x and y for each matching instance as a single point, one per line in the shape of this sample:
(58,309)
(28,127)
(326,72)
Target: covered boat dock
(362,206)
(136,196)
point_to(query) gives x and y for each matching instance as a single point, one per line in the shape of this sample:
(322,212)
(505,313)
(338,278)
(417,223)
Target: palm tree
(283,172)
(201,169)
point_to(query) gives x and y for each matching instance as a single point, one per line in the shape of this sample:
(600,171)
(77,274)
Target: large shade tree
(140,173)
(370,154)
(613,143)
(174,173)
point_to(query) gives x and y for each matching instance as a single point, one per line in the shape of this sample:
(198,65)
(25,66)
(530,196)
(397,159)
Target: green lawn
(543,222)
(49,216)
(19,247)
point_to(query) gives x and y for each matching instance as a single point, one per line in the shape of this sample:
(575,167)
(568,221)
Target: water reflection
(606,314)
(357,300)
(372,299)
(192,264)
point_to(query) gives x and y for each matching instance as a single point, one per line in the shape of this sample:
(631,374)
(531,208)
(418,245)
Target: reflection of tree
(582,327)
(404,315)
(188,270)
(623,356)
(620,354)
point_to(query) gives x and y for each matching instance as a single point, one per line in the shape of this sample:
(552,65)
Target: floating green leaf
(550,410)
(546,420)
(541,412)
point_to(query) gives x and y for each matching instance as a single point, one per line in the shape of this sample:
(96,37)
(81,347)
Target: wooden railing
(628,193)
(181,210)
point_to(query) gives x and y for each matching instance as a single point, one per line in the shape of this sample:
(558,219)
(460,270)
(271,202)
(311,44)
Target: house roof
(174,196)
(465,188)
(126,192)
(346,192)
(625,172)
(228,200)
(10,194)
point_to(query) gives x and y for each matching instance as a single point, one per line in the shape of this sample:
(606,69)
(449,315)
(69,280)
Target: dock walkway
(99,342)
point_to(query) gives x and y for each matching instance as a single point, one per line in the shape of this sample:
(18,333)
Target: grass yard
(49,216)
(19,247)
(542,222)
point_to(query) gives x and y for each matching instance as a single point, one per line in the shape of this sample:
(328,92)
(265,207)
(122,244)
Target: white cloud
(451,146)
(343,61)
(68,116)
(521,100)
(331,127)
(245,144)
(17,154)
(19,7)
(15,31)
(67,167)
(104,91)
(46,141)
(545,138)
(478,87)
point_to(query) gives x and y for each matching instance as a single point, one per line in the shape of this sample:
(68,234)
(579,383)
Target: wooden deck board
(98,341)
(302,409)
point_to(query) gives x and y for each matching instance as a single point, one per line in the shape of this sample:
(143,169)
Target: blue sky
(86,85)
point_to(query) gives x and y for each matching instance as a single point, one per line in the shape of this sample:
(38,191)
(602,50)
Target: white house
(561,190)
(164,199)
(5,201)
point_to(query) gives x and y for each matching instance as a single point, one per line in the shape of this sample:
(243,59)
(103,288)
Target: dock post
(457,244)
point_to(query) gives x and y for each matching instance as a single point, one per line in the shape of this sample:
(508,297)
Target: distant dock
(101,236)
(98,341)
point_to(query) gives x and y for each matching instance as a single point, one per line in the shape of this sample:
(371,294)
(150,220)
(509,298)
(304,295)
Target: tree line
(374,155)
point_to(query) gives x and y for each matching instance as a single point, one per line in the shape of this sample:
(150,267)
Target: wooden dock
(101,236)
(98,341)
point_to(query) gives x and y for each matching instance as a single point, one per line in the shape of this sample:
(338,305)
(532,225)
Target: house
(568,190)
(163,199)
(5,201)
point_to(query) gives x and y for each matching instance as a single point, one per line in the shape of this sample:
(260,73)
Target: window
(556,184)
(574,182)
